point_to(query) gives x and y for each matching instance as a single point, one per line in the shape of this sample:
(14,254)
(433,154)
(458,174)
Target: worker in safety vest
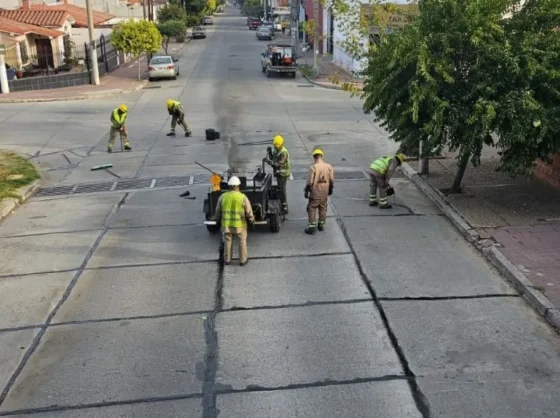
(234,213)
(118,119)
(381,170)
(177,112)
(279,159)
(319,186)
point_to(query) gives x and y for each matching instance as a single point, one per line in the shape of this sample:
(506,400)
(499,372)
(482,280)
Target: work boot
(172,133)
(109,149)
(244,263)
(310,230)
(227,263)
(385,206)
(188,133)
(373,203)
(285,209)
(127,147)
(321,226)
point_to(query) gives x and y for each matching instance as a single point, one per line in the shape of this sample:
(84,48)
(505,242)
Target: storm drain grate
(93,188)
(54,191)
(305,85)
(173,181)
(133,184)
(151,87)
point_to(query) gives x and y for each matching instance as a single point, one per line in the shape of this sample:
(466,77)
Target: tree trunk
(463,162)
(139,60)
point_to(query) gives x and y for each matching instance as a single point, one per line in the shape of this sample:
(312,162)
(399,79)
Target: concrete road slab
(421,257)
(382,399)
(204,155)
(351,198)
(13,345)
(475,336)
(28,300)
(156,245)
(279,347)
(112,361)
(501,395)
(292,241)
(160,409)
(45,253)
(278,282)
(61,215)
(140,291)
(161,207)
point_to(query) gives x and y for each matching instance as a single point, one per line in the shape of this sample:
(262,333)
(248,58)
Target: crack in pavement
(63,299)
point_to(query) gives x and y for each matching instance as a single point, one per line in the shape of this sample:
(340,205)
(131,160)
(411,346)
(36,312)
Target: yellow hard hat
(317,151)
(123,108)
(401,158)
(278,141)
(170,103)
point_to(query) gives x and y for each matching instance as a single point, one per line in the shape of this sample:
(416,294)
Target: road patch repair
(19,179)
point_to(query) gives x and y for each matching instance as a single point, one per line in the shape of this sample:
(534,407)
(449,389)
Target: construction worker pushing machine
(177,112)
(319,186)
(118,127)
(381,171)
(234,213)
(279,159)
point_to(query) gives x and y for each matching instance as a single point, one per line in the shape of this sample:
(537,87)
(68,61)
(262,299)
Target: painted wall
(549,173)
(80,35)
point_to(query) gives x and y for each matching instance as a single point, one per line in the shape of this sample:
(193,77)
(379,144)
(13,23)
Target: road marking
(114,186)
(291,176)
(153,183)
(191,180)
(74,188)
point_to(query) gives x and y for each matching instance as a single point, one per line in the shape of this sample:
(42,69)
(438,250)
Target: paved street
(113,303)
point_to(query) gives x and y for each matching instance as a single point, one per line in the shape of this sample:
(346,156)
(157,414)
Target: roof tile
(51,18)
(78,13)
(19,28)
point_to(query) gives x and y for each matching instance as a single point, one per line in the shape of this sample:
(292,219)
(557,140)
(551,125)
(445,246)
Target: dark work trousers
(282,183)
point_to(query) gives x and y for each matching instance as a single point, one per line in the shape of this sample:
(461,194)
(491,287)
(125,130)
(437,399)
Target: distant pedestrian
(118,127)
(177,112)
(319,186)
(284,26)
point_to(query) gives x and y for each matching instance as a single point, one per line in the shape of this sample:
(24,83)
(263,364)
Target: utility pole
(144,8)
(5,87)
(92,46)
(316,36)
(265,6)
(294,31)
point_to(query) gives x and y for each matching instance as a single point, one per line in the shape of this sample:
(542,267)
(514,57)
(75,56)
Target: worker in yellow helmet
(279,159)
(319,186)
(381,170)
(177,112)
(118,126)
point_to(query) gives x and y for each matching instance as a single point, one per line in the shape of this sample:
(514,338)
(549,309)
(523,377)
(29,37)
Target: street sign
(2,49)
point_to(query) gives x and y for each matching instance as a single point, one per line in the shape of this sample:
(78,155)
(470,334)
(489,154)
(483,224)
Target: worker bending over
(381,170)
(118,127)
(279,159)
(177,112)
(319,186)
(234,213)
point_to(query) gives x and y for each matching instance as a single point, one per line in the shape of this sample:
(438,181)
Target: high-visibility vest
(284,169)
(175,106)
(381,165)
(233,214)
(117,120)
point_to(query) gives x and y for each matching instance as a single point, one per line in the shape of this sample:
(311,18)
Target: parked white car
(163,66)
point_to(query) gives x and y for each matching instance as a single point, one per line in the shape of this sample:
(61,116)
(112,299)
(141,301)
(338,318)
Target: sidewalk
(330,75)
(518,217)
(123,80)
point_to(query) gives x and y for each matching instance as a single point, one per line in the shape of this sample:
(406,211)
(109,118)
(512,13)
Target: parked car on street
(268,24)
(277,26)
(207,21)
(254,23)
(264,33)
(163,66)
(198,32)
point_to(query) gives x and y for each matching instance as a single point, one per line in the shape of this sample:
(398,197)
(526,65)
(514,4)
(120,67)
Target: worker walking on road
(118,127)
(381,170)
(177,112)
(279,159)
(319,186)
(234,213)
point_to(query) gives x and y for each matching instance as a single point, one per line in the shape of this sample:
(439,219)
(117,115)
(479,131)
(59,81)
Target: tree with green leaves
(171,12)
(464,74)
(210,6)
(169,29)
(136,38)
(252,8)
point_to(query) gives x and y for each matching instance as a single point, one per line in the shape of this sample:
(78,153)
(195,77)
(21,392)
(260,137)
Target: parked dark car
(254,24)
(198,32)
(265,33)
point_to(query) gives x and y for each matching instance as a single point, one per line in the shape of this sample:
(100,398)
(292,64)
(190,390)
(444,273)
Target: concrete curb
(324,86)
(7,206)
(529,291)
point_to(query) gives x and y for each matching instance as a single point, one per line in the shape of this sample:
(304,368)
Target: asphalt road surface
(113,304)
